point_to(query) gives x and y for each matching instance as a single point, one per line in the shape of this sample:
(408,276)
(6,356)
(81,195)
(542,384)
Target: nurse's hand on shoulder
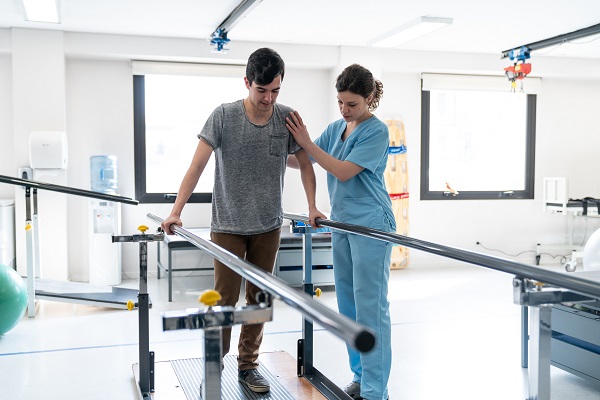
(297,128)
(170,220)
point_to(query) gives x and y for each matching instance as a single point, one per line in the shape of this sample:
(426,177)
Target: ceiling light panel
(41,10)
(414,29)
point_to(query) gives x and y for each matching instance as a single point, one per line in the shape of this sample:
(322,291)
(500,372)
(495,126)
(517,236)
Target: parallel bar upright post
(213,354)
(143,322)
(307,325)
(30,263)
(541,338)
(146,357)
(36,236)
(306,366)
(524,337)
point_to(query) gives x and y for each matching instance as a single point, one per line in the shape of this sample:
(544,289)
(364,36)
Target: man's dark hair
(263,66)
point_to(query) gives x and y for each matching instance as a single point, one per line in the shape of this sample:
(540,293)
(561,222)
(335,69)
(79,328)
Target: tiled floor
(455,336)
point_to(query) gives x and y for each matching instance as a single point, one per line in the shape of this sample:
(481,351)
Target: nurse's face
(353,107)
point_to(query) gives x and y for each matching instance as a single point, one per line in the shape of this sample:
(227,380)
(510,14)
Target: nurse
(354,151)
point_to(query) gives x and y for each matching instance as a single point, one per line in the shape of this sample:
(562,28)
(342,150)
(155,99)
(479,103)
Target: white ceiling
(480,27)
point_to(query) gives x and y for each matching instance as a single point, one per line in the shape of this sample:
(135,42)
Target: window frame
(139,140)
(529,178)
(140,69)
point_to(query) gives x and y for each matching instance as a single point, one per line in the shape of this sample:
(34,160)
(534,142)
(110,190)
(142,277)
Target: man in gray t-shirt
(251,144)
(250,163)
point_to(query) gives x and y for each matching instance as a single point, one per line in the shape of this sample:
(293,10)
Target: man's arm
(190,180)
(307,174)
(292,162)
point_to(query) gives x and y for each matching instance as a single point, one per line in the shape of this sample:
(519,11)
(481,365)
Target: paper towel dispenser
(48,150)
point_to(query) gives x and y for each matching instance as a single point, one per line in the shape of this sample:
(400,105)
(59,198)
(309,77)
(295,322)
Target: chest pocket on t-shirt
(277,145)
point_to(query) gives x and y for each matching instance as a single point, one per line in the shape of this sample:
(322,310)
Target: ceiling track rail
(564,38)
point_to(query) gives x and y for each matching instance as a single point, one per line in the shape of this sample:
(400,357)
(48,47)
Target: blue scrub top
(362,199)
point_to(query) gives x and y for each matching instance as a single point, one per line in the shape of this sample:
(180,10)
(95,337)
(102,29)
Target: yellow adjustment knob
(143,228)
(130,305)
(318,292)
(209,297)
(539,284)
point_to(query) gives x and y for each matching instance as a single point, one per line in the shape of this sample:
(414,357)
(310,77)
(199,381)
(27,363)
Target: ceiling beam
(236,15)
(564,38)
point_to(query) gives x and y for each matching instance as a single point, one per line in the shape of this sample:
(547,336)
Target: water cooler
(105,220)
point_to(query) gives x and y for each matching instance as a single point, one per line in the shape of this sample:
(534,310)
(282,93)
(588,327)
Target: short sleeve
(213,128)
(370,147)
(324,141)
(293,146)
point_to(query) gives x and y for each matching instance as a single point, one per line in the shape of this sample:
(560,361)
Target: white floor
(455,336)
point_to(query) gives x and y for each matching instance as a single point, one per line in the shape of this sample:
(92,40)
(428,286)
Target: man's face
(263,97)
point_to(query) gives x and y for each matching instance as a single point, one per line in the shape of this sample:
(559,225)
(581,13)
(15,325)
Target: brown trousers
(261,251)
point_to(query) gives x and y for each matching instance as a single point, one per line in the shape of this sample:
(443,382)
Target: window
(477,138)
(172,101)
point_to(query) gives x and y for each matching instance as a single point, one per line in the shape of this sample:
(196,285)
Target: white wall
(7,160)
(100,121)
(568,139)
(100,105)
(39,103)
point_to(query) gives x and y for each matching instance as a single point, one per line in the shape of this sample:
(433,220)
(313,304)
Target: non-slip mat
(189,372)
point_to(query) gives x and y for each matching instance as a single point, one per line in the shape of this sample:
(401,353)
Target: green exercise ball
(13,298)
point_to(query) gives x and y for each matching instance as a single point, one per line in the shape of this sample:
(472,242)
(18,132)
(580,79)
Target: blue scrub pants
(362,270)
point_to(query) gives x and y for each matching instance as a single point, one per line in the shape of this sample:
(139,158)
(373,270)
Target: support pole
(212,319)
(524,337)
(307,325)
(306,368)
(213,354)
(30,263)
(36,236)
(146,357)
(146,369)
(541,336)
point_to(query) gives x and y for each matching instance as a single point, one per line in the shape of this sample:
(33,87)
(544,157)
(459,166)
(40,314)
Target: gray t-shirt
(250,163)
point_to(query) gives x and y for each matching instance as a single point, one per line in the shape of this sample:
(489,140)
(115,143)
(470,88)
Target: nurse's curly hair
(359,80)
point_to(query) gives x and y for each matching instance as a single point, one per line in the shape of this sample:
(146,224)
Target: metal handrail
(567,281)
(66,189)
(356,335)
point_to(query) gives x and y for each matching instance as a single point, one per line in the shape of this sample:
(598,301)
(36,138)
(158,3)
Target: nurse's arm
(342,170)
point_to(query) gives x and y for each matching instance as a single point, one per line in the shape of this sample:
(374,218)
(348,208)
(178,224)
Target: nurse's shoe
(353,390)
(362,398)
